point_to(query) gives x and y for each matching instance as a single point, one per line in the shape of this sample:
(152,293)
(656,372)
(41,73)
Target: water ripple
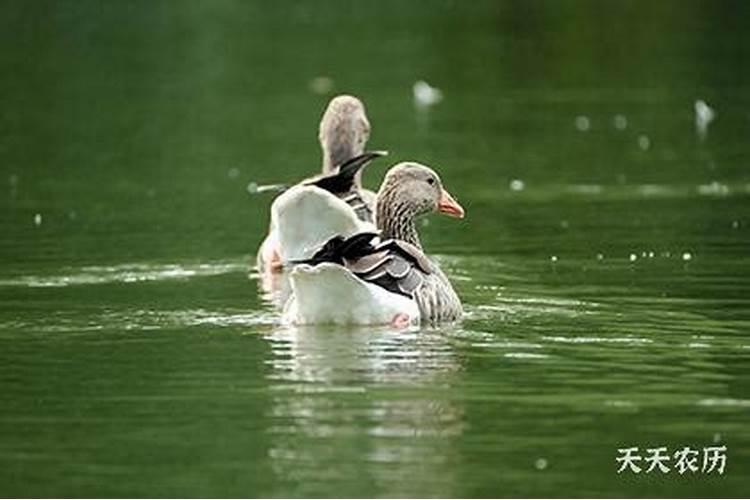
(127,273)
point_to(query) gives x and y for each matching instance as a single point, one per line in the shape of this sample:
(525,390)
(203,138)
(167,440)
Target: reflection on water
(603,262)
(504,398)
(126,273)
(396,416)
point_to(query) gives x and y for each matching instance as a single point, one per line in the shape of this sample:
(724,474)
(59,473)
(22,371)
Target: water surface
(603,262)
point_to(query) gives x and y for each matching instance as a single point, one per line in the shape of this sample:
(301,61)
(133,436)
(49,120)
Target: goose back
(397,267)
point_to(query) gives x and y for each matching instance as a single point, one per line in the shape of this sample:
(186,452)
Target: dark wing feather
(390,265)
(409,252)
(391,271)
(411,282)
(367,263)
(399,267)
(342,181)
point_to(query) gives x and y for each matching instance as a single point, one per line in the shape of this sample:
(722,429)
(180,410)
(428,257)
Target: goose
(305,216)
(384,277)
(343,133)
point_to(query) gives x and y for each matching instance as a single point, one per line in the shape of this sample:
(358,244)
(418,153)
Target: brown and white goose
(343,134)
(365,279)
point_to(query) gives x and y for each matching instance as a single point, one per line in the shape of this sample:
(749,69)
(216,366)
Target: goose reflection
(357,402)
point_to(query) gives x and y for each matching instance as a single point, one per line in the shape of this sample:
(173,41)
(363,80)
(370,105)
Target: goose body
(308,214)
(343,133)
(359,278)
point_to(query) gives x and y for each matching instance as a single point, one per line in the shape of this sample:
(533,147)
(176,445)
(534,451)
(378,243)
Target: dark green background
(138,359)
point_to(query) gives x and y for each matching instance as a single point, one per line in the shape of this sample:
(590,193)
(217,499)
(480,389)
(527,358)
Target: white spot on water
(644,142)
(651,255)
(735,224)
(37,220)
(713,189)
(704,115)
(687,256)
(233,173)
(716,437)
(517,185)
(583,124)
(596,340)
(620,122)
(540,463)
(599,256)
(425,95)
(724,402)
(252,188)
(321,85)
(525,355)
(553,258)
(618,403)
(564,224)
(633,257)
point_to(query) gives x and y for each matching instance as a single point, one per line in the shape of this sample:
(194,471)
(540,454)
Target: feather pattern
(396,266)
(362,277)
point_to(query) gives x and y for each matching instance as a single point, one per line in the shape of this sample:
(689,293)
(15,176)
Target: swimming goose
(308,214)
(343,132)
(366,279)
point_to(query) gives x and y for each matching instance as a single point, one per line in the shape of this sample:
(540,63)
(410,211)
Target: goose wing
(341,183)
(393,265)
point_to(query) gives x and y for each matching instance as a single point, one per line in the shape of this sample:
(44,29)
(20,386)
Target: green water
(608,301)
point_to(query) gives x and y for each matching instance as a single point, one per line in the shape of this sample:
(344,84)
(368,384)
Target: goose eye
(431,181)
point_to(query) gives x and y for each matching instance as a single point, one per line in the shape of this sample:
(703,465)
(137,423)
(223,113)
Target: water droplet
(704,115)
(233,173)
(633,257)
(517,185)
(321,85)
(599,256)
(717,437)
(651,255)
(540,463)
(252,188)
(687,256)
(553,258)
(735,224)
(37,220)
(583,123)
(426,95)
(620,122)
(564,224)
(644,142)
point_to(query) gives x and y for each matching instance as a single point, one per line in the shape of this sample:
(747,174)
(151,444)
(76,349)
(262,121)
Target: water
(604,267)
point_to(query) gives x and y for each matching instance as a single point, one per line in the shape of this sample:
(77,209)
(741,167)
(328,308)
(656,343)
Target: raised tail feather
(342,181)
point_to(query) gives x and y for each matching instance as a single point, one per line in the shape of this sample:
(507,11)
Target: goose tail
(329,294)
(305,217)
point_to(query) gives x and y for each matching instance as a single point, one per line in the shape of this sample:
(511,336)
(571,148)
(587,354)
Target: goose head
(344,131)
(410,190)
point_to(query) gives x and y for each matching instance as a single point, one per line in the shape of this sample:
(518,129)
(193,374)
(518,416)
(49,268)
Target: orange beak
(449,206)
